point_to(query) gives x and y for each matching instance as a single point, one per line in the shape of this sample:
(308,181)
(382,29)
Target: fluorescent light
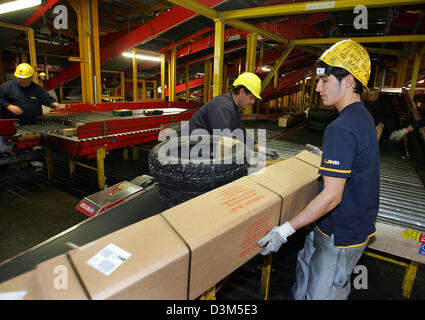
(18,5)
(142,57)
(421,81)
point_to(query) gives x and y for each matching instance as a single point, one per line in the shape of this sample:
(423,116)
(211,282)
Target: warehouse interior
(164,59)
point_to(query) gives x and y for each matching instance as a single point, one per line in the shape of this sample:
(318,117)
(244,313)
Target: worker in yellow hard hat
(345,209)
(42,76)
(224,111)
(22,98)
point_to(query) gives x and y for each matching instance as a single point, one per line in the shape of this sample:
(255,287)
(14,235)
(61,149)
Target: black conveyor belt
(131,211)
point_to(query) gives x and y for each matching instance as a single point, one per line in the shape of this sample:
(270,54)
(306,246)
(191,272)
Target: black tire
(316,125)
(170,198)
(325,115)
(192,174)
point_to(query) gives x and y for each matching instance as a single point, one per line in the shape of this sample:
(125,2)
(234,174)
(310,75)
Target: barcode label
(109,259)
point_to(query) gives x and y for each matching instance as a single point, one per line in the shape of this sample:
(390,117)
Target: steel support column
(94,21)
(415,73)
(276,67)
(135,84)
(251,55)
(218,58)
(172,67)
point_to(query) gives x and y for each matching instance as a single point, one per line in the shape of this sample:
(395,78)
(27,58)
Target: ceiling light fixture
(18,5)
(142,57)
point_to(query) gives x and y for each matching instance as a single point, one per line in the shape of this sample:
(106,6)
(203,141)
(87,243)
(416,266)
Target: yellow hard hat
(24,70)
(41,74)
(250,81)
(351,56)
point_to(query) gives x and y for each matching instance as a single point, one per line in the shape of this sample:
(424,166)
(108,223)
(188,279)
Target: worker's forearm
(318,207)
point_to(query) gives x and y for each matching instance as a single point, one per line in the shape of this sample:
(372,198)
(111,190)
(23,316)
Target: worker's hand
(55,105)
(268,151)
(15,109)
(398,134)
(314,149)
(275,238)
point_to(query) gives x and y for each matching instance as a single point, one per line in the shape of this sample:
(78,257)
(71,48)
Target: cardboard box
(146,260)
(294,179)
(22,287)
(53,279)
(222,228)
(58,281)
(290,120)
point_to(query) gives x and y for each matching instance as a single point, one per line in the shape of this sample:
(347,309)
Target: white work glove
(268,151)
(314,149)
(275,238)
(398,134)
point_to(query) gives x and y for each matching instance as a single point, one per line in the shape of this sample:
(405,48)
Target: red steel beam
(148,31)
(39,12)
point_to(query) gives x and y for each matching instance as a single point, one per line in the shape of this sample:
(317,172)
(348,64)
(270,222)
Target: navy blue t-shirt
(29,99)
(351,150)
(221,112)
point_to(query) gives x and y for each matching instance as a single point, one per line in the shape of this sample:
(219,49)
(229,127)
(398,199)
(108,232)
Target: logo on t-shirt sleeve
(333,162)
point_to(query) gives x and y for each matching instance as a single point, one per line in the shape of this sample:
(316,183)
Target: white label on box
(108,259)
(320,5)
(15,295)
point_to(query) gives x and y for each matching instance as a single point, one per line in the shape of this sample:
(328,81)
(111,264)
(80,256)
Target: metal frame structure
(31,45)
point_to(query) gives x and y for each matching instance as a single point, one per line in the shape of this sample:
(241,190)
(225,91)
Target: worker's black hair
(340,74)
(235,90)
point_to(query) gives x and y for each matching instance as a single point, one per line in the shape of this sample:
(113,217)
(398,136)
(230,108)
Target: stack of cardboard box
(182,252)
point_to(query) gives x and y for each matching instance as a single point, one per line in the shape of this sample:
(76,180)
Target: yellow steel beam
(172,75)
(214,14)
(276,67)
(94,20)
(206,80)
(163,76)
(87,78)
(33,58)
(197,7)
(100,159)
(310,7)
(253,29)
(407,38)
(31,45)
(251,55)
(312,90)
(134,64)
(251,52)
(218,58)
(415,74)
(187,95)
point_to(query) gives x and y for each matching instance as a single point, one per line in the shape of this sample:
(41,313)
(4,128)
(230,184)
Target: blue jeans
(323,271)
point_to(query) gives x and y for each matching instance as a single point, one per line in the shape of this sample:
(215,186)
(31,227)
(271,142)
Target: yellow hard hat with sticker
(250,81)
(24,70)
(351,56)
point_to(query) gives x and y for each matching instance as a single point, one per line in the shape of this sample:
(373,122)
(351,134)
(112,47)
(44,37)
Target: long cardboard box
(53,279)
(222,228)
(185,250)
(58,281)
(294,179)
(22,287)
(146,260)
